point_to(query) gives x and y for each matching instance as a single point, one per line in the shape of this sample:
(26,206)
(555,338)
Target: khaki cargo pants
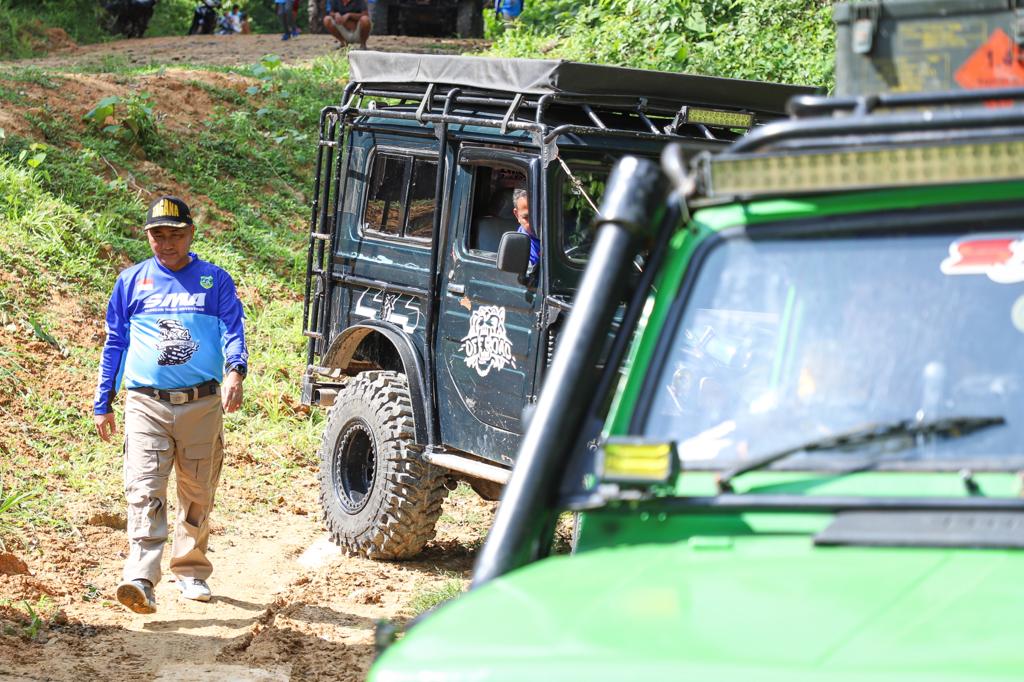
(159,436)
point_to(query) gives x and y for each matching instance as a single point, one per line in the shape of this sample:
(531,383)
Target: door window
(493,190)
(400,198)
(421,200)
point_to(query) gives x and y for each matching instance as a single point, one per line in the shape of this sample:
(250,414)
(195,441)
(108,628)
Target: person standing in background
(507,10)
(287,16)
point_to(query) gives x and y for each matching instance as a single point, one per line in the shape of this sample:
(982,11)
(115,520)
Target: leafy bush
(784,40)
(130,119)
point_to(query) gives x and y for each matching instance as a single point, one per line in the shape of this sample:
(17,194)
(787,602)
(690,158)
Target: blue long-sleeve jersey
(170,329)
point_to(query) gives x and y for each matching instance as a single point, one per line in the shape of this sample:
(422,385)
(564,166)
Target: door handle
(456,289)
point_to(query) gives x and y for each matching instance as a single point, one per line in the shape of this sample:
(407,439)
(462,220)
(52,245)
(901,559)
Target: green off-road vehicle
(811,464)
(430,328)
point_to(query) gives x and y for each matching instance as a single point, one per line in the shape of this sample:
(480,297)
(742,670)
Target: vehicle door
(488,323)
(383,250)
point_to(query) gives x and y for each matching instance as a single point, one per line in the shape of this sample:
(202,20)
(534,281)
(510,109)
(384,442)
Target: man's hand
(231,392)
(105,425)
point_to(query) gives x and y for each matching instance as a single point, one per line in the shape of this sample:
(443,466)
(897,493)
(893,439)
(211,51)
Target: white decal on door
(486,345)
(395,308)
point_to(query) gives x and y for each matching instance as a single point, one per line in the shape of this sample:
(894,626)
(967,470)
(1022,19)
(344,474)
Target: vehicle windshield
(786,342)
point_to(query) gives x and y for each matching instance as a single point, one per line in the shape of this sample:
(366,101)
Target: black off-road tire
(380,500)
(469,21)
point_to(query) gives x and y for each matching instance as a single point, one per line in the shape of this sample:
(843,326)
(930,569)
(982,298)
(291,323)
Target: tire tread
(404,519)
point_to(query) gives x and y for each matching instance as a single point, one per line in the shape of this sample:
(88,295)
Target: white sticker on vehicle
(487,345)
(398,309)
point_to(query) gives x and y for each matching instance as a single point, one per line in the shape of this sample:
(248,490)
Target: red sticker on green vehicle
(999,257)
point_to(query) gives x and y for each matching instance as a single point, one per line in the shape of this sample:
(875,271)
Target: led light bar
(717,117)
(806,173)
(635,462)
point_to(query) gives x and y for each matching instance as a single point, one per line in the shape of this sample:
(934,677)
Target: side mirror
(514,253)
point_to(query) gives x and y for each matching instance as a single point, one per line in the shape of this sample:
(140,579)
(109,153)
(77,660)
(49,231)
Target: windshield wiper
(946,427)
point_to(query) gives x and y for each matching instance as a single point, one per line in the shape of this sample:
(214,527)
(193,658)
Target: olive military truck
(810,468)
(429,328)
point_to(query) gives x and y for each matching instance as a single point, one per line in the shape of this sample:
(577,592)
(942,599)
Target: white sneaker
(194,588)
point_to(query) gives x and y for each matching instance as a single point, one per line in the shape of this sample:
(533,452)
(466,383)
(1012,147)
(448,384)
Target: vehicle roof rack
(552,98)
(886,140)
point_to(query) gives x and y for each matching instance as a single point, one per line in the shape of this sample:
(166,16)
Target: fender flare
(343,347)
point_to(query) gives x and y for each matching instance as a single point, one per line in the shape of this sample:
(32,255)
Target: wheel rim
(354,467)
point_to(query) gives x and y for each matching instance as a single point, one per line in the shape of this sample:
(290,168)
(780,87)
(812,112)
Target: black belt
(180,396)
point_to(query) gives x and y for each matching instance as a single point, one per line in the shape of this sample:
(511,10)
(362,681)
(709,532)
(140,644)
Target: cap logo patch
(165,209)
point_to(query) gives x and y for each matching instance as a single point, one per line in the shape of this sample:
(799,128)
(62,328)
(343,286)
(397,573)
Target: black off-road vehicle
(429,329)
(463,18)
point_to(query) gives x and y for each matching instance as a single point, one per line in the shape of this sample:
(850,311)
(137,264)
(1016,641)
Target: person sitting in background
(231,22)
(246,26)
(348,21)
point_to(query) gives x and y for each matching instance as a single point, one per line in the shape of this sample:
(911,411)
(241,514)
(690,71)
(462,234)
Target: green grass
(31,619)
(10,502)
(435,595)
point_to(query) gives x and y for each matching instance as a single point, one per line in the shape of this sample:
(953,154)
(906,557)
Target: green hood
(747,608)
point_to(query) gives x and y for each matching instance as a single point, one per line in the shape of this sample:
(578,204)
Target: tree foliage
(780,40)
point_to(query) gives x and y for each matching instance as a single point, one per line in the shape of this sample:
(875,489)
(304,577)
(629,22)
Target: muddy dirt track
(238,49)
(287,605)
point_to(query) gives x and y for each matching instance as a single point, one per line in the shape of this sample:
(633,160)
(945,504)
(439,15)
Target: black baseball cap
(168,211)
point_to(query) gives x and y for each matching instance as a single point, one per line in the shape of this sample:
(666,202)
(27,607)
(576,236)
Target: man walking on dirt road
(174,322)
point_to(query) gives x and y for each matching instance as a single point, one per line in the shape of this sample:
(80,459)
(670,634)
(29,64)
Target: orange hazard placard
(996,64)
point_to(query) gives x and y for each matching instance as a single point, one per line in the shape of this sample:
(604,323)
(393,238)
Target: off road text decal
(486,345)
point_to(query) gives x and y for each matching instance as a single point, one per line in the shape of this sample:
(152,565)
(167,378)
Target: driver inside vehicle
(521,211)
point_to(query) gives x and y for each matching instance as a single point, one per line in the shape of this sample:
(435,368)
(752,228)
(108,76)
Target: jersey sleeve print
(231,315)
(114,349)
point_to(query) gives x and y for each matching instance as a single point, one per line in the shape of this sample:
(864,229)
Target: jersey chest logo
(177,300)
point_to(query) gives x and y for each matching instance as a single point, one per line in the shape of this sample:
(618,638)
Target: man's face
(170,245)
(522,213)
